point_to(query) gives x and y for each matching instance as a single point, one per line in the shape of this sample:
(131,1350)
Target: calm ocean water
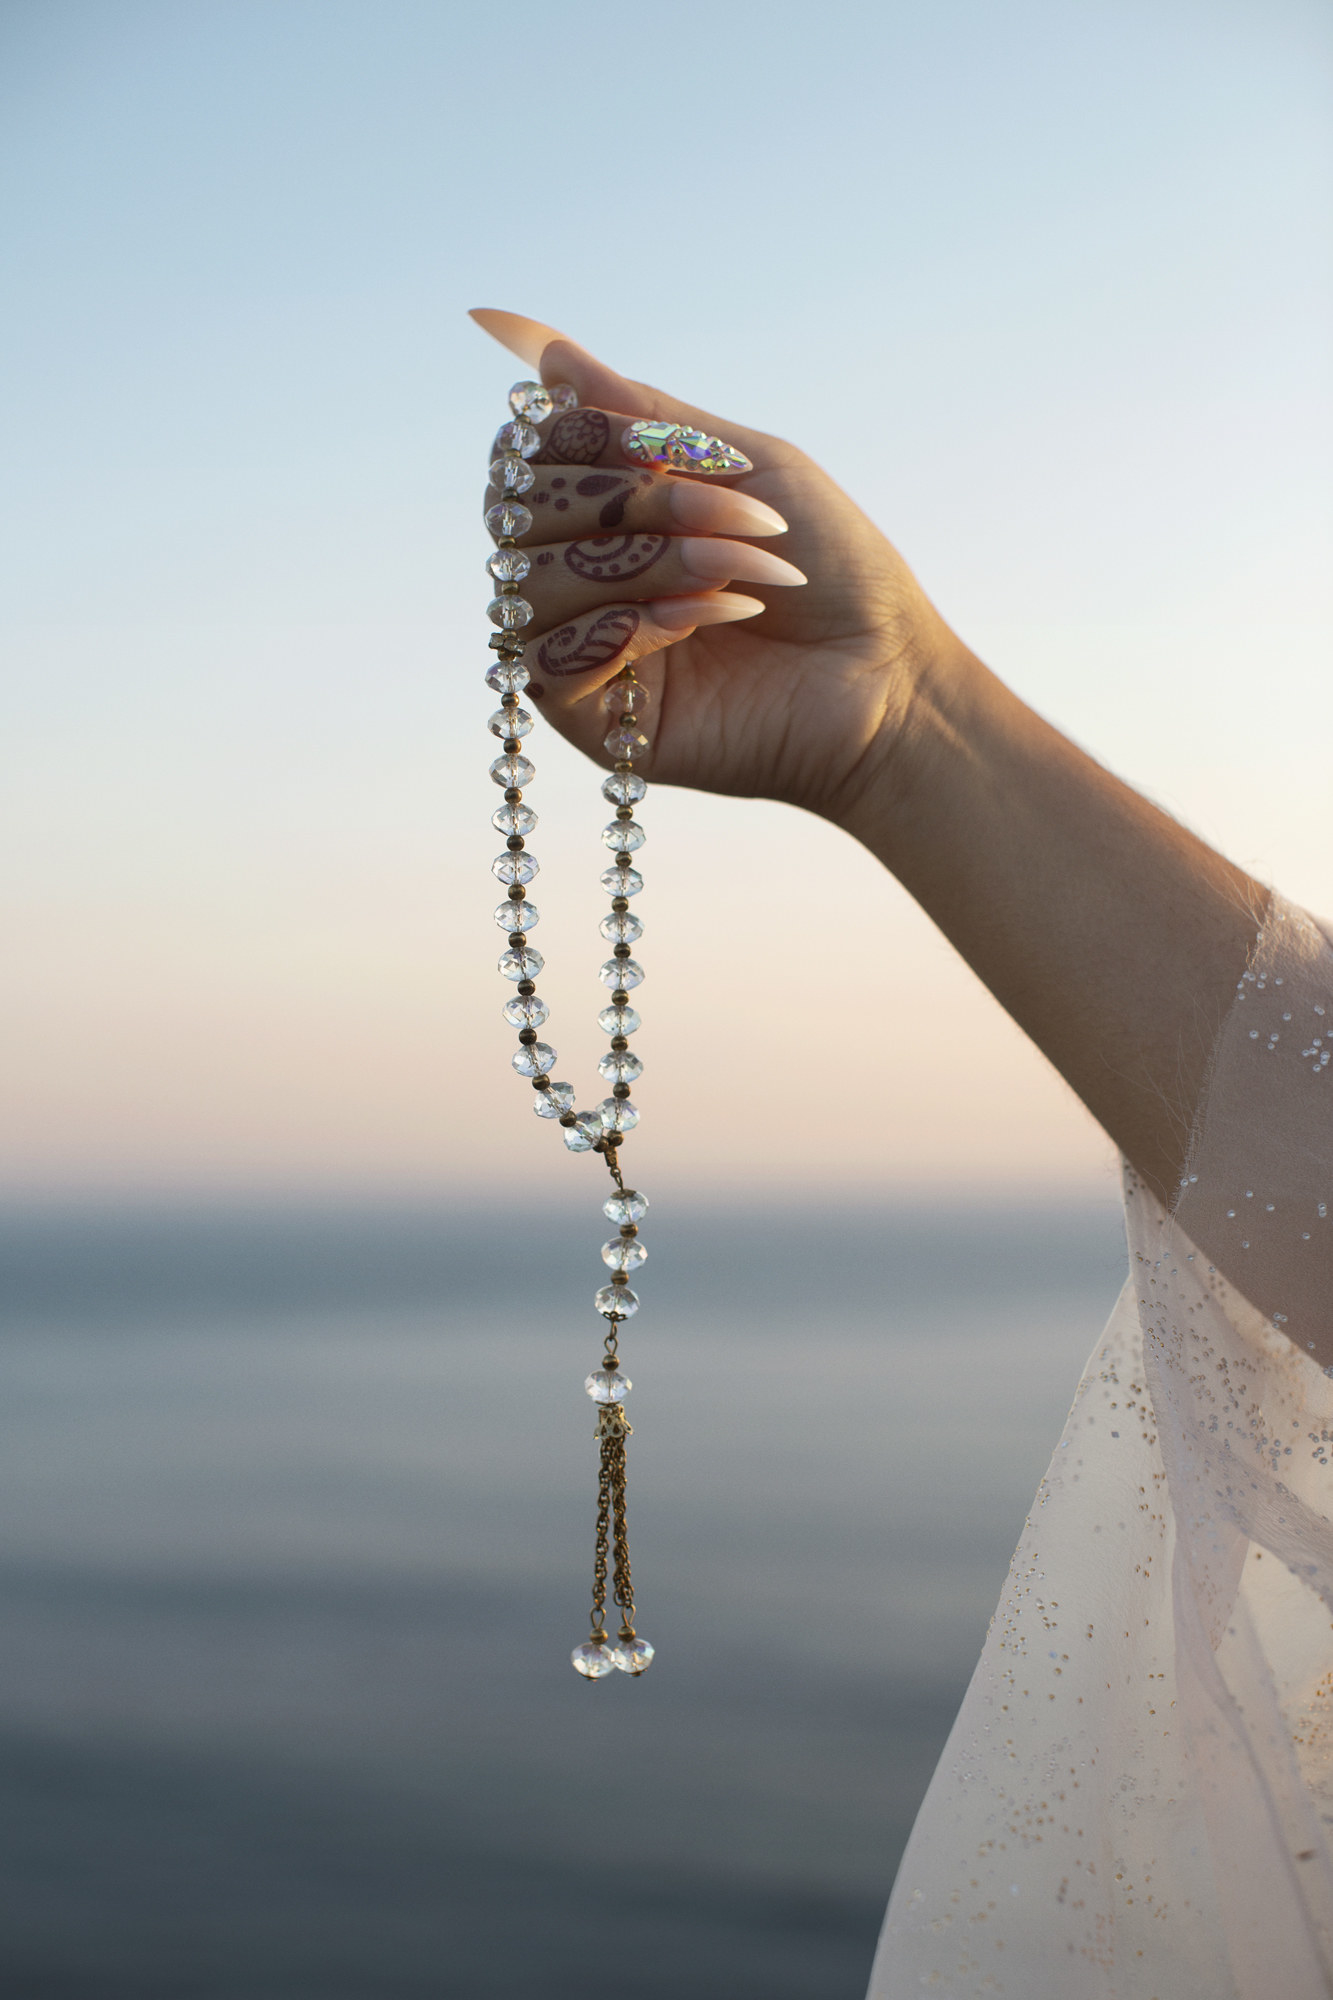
(296,1539)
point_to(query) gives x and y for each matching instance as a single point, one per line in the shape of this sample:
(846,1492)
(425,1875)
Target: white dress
(1137,1797)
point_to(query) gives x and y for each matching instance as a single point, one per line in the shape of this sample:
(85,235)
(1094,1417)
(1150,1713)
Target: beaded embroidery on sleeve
(602,1130)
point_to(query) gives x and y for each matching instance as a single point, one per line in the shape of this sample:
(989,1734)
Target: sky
(1047,287)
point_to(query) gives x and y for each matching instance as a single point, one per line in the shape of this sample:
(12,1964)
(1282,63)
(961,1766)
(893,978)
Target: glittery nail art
(677,448)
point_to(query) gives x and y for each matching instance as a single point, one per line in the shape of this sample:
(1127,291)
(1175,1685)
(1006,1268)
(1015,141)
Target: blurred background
(296,1470)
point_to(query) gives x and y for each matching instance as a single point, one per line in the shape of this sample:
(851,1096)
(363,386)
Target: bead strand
(602,1130)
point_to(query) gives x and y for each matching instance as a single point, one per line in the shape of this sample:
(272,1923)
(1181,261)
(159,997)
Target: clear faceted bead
(620,1066)
(623,833)
(524,916)
(632,1656)
(584,1133)
(510,722)
(623,972)
(532,400)
(619,1020)
(554,1103)
(511,868)
(518,436)
(593,1660)
(624,742)
(513,771)
(624,1253)
(616,1302)
(534,1059)
(526,1010)
(509,565)
(624,696)
(619,881)
(626,1205)
(516,818)
(624,788)
(520,962)
(608,1385)
(512,474)
(621,927)
(618,1114)
(508,517)
(510,613)
(564,397)
(507,676)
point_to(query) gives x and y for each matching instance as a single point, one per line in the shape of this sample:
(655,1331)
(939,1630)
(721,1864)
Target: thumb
(601,388)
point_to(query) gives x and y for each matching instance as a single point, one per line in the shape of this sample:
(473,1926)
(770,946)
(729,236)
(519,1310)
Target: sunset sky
(1048,288)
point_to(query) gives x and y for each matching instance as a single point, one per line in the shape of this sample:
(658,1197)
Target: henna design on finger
(535,689)
(620,556)
(558,485)
(544,558)
(613,513)
(578,438)
(560,506)
(578,649)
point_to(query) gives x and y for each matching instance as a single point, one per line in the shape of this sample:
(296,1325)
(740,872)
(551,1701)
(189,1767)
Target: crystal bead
(624,1253)
(510,613)
(512,474)
(532,400)
(620,1066)
(511,868)
(616,1302)
(624,742)
(535,1059)
(618,1114)
(623,833)
(584,1133)
(513,771)
(624,788)
(554,1103)
(619,881)
(508,517)
(526,1010)
(625,1205)
(507,676)
(632,1656)
(510,722)
(520,962)
(592,1660)
(622,696)
(619,1020)
(622,972)
(608,1385)
(621,927)
(524,916)
(518,436)
(509,565)
(516,818)
(564,397)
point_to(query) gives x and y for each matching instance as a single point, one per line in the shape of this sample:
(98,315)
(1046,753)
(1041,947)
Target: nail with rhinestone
(679,448)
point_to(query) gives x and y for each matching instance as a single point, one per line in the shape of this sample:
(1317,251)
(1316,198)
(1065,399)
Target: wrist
(927,685)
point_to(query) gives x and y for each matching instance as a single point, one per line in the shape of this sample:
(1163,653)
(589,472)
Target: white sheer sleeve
(1137,1797)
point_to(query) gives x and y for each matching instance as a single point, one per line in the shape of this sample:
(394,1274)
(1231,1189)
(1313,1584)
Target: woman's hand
(793,694)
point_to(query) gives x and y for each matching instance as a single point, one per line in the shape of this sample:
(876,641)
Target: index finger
(610,437)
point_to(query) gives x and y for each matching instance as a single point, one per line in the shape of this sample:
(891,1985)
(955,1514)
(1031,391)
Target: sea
(296,1519)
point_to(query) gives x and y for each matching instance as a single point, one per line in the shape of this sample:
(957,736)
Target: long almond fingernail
(719,607)
(678,448)
(721,562)
(721,510)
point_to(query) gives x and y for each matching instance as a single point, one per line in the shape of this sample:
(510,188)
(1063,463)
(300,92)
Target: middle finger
(567,578)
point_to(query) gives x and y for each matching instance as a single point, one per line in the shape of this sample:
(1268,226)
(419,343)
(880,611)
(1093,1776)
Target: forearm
(1114,937)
